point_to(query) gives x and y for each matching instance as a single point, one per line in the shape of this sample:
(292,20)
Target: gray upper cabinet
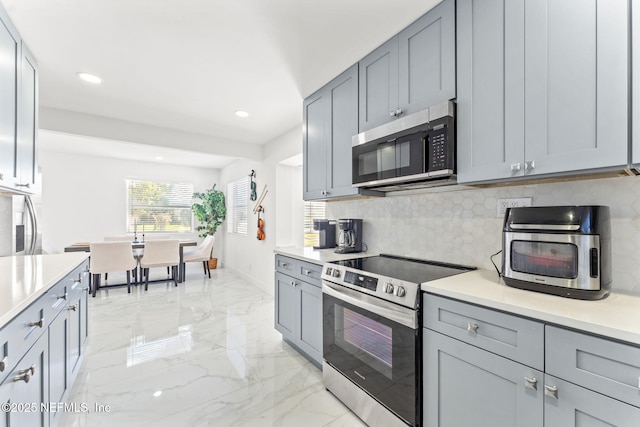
(330,119)
(541,89)
(9,69)
(28,124)
(635,78)
(411,71)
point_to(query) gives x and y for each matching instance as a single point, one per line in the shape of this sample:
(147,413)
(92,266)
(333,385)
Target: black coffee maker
(350,236)
(326,233)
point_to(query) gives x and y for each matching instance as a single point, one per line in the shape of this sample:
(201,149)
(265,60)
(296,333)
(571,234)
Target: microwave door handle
(546,227)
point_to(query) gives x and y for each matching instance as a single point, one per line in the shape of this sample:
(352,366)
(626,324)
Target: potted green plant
(210,212)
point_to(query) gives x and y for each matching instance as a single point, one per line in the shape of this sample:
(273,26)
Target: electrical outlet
(503,204)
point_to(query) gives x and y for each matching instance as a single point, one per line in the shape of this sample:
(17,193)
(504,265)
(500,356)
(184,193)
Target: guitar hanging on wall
(258,209)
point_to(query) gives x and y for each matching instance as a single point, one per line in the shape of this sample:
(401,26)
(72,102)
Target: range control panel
(361,280)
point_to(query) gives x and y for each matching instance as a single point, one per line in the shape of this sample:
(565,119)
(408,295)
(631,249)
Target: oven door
(401,157)
(376,345)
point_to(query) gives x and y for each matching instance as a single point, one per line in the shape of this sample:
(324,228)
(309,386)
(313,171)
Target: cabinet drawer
(309,272)
(510,336)
(58,297)
(286,265)
(604,366)
(20,333)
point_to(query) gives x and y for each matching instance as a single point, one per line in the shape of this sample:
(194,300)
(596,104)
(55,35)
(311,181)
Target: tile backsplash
(461,226)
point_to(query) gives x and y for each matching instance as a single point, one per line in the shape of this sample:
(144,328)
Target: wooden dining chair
(110,257)
(160,253)
(200,254)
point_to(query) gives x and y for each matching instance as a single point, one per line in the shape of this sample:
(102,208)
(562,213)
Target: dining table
(85,247)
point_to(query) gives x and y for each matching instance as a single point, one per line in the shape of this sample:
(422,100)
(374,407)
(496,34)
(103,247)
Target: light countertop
(318,256)
(24,279)
(616,316)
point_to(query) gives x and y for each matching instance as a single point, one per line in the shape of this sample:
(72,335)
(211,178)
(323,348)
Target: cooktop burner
(401,268)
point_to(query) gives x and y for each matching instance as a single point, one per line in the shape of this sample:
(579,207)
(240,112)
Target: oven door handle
(390,311)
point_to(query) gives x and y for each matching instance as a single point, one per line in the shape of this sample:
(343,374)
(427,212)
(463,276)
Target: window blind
(312,210)
(237,205)
(159,206)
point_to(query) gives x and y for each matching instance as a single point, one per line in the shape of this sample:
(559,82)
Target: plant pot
(213,263)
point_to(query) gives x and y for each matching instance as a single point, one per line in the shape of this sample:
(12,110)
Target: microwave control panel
(440,148)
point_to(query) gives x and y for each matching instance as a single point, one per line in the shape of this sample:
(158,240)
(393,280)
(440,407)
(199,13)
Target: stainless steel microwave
(416,149)
(561,250)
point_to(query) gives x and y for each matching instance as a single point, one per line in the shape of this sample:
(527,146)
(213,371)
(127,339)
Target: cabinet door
(635,86)
(286,302)
(378,86)
(29,396)
(59,358)
(28,123)
(490,94)
(427,74)
(309,336)
(579,407)
(9,69)
(343,97)
(576,84)
(316,134)
(470,387)
(76,338)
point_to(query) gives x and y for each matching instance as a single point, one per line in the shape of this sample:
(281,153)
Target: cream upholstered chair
(160,253)
(201,253)
(109,257)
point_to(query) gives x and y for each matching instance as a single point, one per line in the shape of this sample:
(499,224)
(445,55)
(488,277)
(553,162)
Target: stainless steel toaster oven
(561,250)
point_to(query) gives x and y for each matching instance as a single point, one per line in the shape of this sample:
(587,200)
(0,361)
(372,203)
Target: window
(312,210)
(237,206)
(159,206)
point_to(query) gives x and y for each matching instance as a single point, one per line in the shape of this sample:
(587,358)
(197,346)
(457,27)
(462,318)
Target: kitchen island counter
(24,279)
(617,316)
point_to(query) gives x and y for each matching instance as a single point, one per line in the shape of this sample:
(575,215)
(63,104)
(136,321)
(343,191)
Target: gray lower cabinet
(470,381)
(26,389)
(411,71)
(298,307)
(330,119)
(542,90)
(47,341)
(465,386)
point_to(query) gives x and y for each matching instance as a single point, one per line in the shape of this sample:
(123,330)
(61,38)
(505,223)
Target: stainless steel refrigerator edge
(19,228)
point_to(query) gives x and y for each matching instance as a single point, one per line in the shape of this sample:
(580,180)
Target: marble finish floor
(203,354)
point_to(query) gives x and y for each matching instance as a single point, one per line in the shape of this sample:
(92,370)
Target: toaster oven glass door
(552,259)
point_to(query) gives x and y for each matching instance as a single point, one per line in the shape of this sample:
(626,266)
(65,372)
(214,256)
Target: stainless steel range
(372,352)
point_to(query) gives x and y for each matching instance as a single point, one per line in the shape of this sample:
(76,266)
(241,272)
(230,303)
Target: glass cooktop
(407,269)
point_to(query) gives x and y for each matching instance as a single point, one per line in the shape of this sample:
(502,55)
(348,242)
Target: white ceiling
(187,65)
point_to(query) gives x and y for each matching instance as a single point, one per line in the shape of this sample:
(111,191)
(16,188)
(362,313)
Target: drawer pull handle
(531,383)
(284,265)
(4,363)
(551,391)
(25,374)
(64,297)
(73,307)
(472,327)
(293,283)
(307,272)
(39,323)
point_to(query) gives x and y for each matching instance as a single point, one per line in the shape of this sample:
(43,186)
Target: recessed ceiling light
(90,78)
(241,113)
(159,158)
(157,393)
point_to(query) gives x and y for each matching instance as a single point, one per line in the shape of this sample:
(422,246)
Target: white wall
(253,259)
(84,197)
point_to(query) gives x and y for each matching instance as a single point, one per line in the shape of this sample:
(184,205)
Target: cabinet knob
(25,374)
(293,283)
(307,272)
(551,391)
(4,363)
(73,307)
(392,113)
(515,167)
(472,327)
(531,383)
(530,165)
(39,323)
